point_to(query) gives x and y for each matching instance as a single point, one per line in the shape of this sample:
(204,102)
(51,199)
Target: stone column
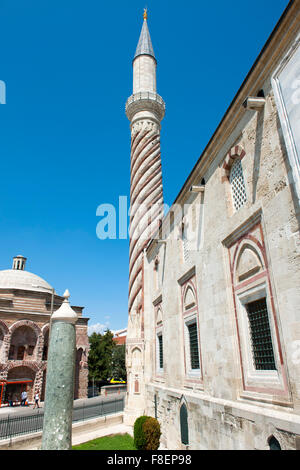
(58,409)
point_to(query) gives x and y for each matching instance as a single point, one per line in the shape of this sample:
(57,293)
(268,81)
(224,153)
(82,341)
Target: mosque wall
(221,292)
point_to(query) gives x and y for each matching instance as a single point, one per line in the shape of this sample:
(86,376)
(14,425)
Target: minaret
(145,109)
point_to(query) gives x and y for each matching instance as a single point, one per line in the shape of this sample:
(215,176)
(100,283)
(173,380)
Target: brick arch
(235,152)
(4,327)
(28,323)
(37,330)
(33,365)
(45,328)
(43,366)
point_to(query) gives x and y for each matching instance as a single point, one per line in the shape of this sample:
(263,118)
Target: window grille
(185,244)
(237,182)
(194,350)
(262,348)
(160,351)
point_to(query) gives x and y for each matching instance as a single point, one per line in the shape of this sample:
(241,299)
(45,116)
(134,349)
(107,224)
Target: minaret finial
(145,13)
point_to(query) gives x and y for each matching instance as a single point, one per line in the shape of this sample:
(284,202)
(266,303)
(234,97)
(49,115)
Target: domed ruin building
(26,304)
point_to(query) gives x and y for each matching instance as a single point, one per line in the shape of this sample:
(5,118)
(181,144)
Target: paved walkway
(28,410)
(79,434)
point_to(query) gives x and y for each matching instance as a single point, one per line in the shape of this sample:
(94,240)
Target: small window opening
(194,350)
(184,425)
(262,348)
(274,444)
(236,179)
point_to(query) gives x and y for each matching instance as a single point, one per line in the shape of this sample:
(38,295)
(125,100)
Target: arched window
(184,429)
(236,179)
(23,343)
(159,342)
(273,443)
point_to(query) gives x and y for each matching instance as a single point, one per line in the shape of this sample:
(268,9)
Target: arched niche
(189,300)
(159,317)
(249,262)
(274,443)
(136,355)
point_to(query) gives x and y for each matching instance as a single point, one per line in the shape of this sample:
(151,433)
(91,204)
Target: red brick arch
(45,328)
(4,327)
(28,323)
(236,152)
(33,365)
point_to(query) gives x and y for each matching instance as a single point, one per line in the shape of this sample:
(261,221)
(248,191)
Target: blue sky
(64,136)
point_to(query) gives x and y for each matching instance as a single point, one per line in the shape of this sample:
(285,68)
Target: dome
(20,279)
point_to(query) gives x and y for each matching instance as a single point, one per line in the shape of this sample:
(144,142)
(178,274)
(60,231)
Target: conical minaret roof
(144,46)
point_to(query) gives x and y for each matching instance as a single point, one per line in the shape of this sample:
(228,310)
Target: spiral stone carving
(146,201)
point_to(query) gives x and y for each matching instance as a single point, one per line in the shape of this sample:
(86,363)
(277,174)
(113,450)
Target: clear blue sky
(64,136)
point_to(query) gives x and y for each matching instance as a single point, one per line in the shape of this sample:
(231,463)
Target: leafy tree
(118,362)
(100,356)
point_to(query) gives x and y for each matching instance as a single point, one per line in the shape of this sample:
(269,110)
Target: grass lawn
(113,442)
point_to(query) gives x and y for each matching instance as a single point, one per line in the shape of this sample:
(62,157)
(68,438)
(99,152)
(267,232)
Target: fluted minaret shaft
(145,110)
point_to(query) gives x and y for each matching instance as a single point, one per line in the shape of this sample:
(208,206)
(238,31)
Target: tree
(100,355)
(118,362)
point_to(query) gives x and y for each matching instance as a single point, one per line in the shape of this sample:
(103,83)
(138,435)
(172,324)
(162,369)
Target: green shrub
(146,433)
(151,428)
(138,433)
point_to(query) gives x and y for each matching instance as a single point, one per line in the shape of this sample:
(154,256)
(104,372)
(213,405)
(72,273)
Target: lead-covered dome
(18,278)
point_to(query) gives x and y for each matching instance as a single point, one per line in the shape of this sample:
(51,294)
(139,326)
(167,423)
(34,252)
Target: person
(10,400)
(36,399)
(23,398)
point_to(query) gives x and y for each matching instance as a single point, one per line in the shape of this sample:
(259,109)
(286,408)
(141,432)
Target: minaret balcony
(145,101)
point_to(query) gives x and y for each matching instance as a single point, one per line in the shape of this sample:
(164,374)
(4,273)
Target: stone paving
(27,410)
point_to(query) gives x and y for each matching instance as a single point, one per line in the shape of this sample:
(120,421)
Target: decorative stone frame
(236,152)
(190,315)
(135,372)
(263,385)
(158,372)
(39,336)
